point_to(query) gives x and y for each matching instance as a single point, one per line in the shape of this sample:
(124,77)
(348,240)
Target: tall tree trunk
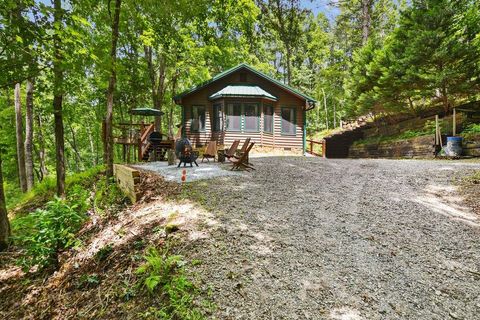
(22,175)
(170,116)
(289,65)
(41,150)
(111,91)
(157,80)
(57,102)
(366,19)
(29,135)
(4,224)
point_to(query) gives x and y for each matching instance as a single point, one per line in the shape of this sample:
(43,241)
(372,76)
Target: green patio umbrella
(146,112)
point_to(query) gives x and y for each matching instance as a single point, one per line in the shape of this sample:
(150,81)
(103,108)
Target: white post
(454,122)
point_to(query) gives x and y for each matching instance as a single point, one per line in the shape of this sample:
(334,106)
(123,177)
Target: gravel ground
(205,170)
(309,238)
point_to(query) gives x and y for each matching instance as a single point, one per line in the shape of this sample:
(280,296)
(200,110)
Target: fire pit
(185,153)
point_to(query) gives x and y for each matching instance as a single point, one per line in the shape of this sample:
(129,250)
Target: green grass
(45,190)
(428,129)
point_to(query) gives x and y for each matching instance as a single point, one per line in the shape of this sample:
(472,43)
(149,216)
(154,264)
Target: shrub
(47,231)
(471,131)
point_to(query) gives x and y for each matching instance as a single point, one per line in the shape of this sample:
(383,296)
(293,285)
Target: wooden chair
(211,151)
(233,148)
(242,161)
(244,148)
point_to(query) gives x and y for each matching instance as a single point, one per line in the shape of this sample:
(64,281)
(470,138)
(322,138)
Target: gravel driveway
(309,238)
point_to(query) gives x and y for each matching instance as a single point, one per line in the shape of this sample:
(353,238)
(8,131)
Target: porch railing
(143,143)
(316,148)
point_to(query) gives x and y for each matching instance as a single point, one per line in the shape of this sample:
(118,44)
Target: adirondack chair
(242,161)
(211,151)
(244,148)
(233,148)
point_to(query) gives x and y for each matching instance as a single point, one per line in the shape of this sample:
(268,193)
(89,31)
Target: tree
(4,223)
(111,91)
(29,135)
(20,143)
(58,97)
(284,17)
(428,59)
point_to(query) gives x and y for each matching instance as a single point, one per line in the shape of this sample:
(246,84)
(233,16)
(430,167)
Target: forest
(71,70)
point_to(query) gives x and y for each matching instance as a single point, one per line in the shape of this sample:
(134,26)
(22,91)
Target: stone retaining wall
(419,147)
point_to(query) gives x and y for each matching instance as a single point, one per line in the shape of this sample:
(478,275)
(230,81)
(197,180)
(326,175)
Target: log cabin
(243,102)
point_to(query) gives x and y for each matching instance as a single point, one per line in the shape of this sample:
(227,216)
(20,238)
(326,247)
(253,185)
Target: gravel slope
(309,238)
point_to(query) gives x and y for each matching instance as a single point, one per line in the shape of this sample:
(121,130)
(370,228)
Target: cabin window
(288,121)
(268,118)
(197,119)
(251,117)
(217,118)
(234,117)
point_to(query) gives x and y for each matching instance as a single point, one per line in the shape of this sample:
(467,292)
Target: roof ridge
(250,68)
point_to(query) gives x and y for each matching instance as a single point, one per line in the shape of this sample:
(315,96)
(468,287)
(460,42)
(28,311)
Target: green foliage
(103,253)
(470,131)
(108,197)
(47,231)
(431,58)
(76,183)
(164,274)
(51,228)
(88,281)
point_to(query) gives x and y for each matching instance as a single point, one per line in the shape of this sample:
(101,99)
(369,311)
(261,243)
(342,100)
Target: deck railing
(143,143)
(317,148)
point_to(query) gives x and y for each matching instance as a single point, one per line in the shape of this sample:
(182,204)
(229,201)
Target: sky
(321,6)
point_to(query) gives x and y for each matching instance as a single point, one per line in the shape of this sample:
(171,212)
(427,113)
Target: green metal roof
(242,91)
(225,73)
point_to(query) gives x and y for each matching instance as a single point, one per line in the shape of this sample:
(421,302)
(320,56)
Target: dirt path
(308,238)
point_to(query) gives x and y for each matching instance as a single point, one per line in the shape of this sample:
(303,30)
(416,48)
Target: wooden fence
(316,148)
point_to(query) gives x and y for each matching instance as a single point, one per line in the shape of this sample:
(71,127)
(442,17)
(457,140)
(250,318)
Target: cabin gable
(245,104)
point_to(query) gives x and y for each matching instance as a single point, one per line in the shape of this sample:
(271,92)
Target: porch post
(304,142)
(184,132)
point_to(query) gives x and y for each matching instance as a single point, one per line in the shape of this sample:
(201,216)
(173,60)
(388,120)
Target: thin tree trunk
(111,91)
(73,144)
(57,103)
(446,103)
(325,105)
(4,224)
(29,135)
(41,145)
(22,175)
(92,145)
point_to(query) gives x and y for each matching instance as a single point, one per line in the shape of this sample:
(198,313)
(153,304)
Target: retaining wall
(419,147)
